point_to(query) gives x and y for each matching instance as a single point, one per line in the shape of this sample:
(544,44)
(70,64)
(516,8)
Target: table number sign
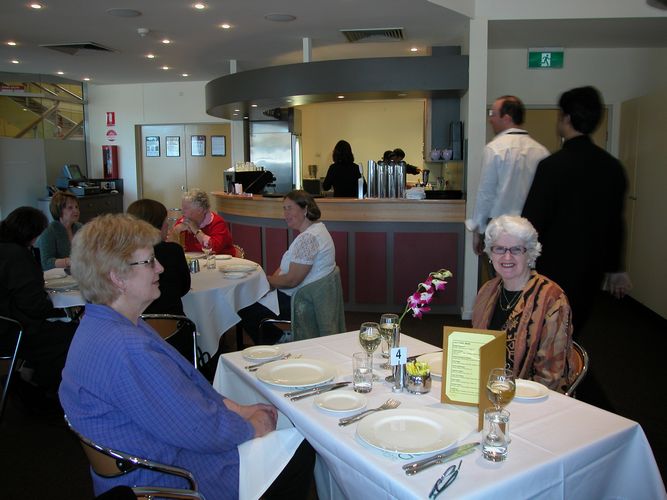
(398,356)
(467,357)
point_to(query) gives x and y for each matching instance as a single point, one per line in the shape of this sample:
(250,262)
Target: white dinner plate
(408,431)
(296,372)
(262,352)
(235,275)
(527,390)
(341,400)
(434,359)
(235,268)
(194,255)
(64,283)
(223,256)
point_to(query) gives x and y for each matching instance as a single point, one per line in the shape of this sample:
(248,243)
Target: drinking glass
(500,387)
(369,337)
(388,325)
(362,372)
(209,254)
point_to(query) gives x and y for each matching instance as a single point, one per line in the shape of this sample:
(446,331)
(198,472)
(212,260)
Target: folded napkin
(261,460)
(415,193)
(54,273)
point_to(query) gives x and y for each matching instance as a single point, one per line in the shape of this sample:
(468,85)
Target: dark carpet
(40,459)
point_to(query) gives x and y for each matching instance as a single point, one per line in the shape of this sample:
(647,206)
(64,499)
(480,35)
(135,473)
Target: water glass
(495,435)
(362,372)
(387,322)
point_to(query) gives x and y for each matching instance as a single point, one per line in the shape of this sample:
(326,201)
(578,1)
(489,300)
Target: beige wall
(371,127)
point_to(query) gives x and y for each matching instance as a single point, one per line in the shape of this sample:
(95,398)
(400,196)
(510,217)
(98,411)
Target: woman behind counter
(531,309)
(343,174)
(175,279)
(56,241)
(311,256)
(124,386)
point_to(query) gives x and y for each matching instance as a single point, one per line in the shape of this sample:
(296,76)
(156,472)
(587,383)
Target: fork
(388,405)
(254,367)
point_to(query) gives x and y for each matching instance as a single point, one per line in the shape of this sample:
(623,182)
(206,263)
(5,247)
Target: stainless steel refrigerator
(275,148)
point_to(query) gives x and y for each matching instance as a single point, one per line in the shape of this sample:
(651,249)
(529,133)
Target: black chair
(10,340)
(179,331)
(107,462)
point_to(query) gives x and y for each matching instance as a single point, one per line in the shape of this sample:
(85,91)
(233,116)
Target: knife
(320,390)
(460,451)
(304,391)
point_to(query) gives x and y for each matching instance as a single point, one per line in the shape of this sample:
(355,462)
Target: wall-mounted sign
(546,57)
(152,146)
(111,135)
(111,118)
(173,143)
(218,147)
(198,145)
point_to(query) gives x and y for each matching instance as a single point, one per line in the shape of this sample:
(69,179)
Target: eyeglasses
(447,478)
(503,250)
(151,262)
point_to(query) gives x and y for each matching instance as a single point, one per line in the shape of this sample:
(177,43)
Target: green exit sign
(545,58)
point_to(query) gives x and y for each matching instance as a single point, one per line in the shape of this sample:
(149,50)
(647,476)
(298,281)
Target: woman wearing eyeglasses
(125,387)
(532,310)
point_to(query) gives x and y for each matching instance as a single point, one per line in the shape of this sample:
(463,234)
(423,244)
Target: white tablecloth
(561,447)
(212,301)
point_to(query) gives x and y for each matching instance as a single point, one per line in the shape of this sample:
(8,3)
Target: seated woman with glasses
(532,310)
(125,387)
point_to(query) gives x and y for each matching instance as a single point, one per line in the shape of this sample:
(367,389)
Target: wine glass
(388,324)
(369,337)
(500,387)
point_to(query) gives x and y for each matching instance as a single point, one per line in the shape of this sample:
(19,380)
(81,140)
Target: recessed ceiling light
(150,56)
(245,117)
(86,79)
(166,41)
(36,6)
(12,43)
(185,74)
(123,12)
(165,68)
(199,6)
(60,72)
(414,49)
(341,97)
(402,94)
(280,18)
(14,61)
(225,26)
(253,105)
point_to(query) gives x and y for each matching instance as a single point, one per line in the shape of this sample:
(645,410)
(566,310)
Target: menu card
(468,355)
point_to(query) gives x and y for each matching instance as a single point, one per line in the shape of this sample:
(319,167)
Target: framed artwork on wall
(198,145)
(173,145)
(152,145)
(218,147)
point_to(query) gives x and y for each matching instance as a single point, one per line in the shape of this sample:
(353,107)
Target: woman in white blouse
(311,256)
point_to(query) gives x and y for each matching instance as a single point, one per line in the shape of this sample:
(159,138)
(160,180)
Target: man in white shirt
(508,167)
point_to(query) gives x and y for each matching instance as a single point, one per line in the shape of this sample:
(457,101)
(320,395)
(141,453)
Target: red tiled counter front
(384,248)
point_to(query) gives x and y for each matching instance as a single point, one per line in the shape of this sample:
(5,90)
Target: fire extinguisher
(110,162)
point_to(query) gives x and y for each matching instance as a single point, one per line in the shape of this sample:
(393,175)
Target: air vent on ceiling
(391,34)
(73,48)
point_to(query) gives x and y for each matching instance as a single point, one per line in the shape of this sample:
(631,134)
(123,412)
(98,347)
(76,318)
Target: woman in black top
(343,174)
(175,279)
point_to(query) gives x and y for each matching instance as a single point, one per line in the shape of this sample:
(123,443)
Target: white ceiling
(202,49)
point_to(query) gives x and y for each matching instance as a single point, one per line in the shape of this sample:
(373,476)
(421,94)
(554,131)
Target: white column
(307,49)
(232,66)
(473,109)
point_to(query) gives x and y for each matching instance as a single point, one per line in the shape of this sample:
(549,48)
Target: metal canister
(399,378)
(194,266)
(400,173)
(391,180)
(372,179)
(382,180)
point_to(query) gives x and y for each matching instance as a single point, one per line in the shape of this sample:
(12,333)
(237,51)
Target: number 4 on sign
(398,356)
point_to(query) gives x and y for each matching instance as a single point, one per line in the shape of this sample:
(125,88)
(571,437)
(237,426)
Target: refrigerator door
(271,148)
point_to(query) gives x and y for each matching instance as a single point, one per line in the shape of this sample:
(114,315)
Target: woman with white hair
(531,309)
(201,227)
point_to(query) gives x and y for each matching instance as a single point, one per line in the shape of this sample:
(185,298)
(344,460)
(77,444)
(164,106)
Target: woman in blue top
(56,241)
(126,388)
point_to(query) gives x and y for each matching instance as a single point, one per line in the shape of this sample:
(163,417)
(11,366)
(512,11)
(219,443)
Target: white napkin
(261,460)
(54,273)
(415,193)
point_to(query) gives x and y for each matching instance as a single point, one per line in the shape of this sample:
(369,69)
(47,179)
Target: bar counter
(384,247)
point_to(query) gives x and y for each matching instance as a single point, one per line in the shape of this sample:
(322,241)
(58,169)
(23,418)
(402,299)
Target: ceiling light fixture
(166,41)
(341,97)
(225,26)
(165,68)
(12,43)
(280,18)
(150,56)
(185,74)
(36,6)
(86,79)
(414,49)
(199,6)
(60,72)
(14,61)
(253,105)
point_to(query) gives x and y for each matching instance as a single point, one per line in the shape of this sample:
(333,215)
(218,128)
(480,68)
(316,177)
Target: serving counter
(384,247)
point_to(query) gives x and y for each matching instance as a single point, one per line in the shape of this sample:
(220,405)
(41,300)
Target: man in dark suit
(576,204)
